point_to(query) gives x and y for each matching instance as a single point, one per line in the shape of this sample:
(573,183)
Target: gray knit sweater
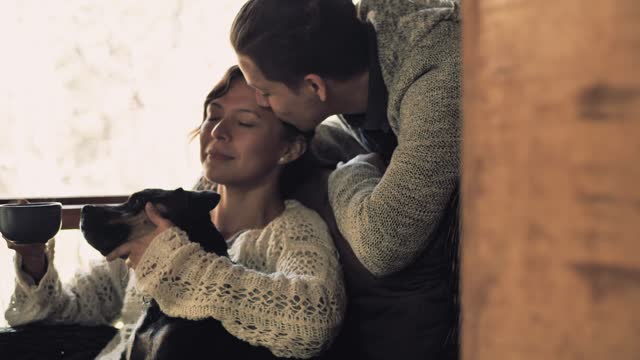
(387,218)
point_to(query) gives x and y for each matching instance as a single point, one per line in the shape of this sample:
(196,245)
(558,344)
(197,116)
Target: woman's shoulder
(296,211)
(298,226)
(297,219)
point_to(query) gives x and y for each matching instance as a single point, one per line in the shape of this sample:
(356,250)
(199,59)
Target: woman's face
(241,143)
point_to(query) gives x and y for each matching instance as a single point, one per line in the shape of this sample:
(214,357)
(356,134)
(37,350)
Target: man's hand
(370,158)
(135,248)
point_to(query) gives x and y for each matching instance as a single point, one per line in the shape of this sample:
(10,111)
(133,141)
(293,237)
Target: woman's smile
(215,154)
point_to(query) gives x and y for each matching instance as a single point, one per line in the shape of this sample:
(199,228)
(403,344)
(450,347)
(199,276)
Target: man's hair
(288,39)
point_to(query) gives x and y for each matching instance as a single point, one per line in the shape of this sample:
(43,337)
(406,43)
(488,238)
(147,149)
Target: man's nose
(261,99)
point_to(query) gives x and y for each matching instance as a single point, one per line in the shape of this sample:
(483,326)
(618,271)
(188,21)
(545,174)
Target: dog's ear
(204,200)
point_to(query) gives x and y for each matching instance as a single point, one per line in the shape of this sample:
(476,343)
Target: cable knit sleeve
(285,293)
(387,219)
(91,298)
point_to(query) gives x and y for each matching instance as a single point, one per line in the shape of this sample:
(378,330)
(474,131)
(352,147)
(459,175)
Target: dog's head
(107,226)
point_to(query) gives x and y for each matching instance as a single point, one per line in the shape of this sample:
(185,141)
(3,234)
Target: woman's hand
(135,248)
(34,259)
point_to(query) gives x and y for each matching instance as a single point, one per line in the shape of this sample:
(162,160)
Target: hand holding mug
(34,260)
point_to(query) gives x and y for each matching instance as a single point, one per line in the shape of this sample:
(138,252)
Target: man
(391,70)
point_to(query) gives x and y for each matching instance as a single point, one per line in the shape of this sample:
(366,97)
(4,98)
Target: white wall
(98,97)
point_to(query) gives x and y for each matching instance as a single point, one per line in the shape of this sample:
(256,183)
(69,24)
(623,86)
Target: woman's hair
(293,172)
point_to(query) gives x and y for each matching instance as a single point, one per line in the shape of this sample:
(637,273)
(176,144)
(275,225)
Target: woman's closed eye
(246,119)
(209,122)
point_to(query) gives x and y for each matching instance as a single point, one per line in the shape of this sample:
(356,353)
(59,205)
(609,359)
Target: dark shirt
(372,128)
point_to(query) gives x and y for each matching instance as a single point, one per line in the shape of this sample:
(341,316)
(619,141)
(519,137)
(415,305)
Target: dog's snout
(91,211)
(88,210)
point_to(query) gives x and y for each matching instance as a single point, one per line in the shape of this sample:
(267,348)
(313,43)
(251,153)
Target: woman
(285,291)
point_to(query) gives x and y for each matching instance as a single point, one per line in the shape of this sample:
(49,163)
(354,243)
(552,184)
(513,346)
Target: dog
(106,227)
(159,336)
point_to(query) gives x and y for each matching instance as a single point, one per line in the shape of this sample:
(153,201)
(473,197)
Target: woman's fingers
(154,216)
(120,252)
(134,248)
(26,250)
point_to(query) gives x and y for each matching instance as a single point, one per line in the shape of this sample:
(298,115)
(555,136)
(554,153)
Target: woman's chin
(218,176)
(213,178)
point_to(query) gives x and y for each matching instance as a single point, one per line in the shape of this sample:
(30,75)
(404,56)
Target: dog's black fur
(107,227)
(160,336)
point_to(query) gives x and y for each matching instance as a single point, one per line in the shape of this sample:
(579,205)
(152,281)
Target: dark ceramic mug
(30,223)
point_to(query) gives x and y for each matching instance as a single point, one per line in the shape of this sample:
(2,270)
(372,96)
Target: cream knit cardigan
(285,290)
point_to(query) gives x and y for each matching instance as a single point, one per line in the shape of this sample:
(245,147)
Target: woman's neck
(241,209)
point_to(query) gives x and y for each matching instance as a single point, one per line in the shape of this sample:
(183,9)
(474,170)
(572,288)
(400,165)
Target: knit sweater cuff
(25,282)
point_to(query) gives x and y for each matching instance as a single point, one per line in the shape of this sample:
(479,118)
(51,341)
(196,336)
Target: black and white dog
(158,335)
(106,227)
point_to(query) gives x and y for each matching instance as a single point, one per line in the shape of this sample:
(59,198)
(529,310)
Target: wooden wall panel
(551,180)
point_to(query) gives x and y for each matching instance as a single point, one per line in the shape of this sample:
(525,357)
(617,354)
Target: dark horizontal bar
(75,200)
(71,206)
(71,216)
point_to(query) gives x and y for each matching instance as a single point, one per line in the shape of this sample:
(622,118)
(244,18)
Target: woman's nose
(220,130)
(261,99)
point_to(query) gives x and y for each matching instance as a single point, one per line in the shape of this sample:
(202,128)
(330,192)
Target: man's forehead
(248,68)
(252,75)
(251,82)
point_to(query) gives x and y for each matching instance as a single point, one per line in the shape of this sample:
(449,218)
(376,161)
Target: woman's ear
(317,85)
(293,150)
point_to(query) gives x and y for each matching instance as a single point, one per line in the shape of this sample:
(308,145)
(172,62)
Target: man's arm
(387,218)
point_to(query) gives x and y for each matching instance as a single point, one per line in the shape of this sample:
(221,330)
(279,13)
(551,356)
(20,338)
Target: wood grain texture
(551,180)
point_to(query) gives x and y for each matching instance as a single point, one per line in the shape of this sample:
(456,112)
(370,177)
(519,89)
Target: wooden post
(551,180)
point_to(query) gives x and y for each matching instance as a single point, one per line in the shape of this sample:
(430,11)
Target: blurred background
(98,98)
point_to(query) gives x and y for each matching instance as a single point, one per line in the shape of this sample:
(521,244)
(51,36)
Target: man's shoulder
(398,11)
(407,29)
(414,38)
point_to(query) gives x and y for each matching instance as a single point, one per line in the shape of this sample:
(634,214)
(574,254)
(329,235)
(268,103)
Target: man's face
(302,109)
